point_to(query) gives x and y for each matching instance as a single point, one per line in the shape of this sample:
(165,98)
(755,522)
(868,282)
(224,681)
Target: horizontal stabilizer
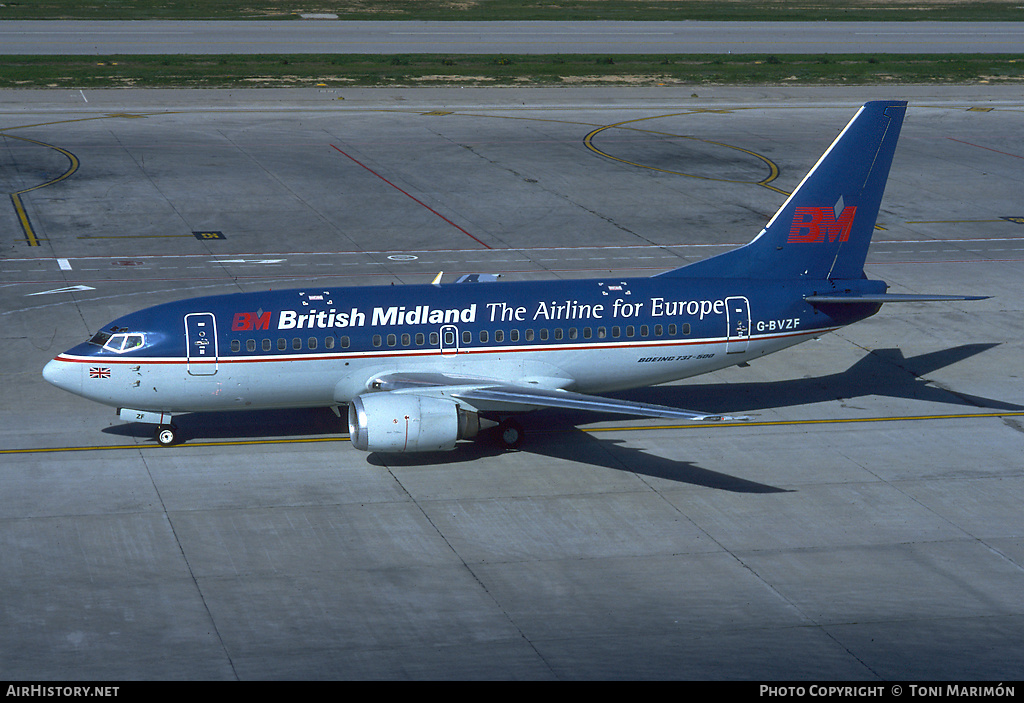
(855,298)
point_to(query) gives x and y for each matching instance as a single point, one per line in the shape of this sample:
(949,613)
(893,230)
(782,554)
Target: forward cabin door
(737,312)
(201,343)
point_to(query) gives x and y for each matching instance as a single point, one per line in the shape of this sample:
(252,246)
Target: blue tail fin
(823,230)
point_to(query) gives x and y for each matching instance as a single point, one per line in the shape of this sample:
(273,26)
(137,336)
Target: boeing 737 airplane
(423,366)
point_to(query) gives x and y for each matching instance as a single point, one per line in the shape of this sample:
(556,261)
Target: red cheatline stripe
(429,351)
(411,196)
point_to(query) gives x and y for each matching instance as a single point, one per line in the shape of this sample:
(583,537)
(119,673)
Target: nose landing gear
(166,435)
(166,431)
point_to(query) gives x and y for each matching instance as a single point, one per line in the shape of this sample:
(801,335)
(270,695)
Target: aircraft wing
(546,398)
(489,395)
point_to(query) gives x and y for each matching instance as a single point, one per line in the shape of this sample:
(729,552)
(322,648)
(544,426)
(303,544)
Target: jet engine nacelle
(395,422)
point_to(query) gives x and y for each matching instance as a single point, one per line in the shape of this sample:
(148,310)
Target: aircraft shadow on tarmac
(560,439)
(882,372)
(553,433)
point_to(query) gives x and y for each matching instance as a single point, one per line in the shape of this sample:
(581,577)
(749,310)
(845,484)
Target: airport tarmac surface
(105,37)
(865,525)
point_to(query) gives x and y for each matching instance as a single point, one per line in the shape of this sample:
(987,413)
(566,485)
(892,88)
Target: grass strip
(652,10)
(341,70)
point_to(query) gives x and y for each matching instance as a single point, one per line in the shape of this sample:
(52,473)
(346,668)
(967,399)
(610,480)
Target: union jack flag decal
(99,372)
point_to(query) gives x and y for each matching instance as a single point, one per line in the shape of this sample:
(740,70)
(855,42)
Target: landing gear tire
(166,435)
(510,433)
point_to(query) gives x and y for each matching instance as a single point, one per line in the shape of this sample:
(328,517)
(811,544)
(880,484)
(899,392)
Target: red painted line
(411,196)
(1004,153)
(944,261)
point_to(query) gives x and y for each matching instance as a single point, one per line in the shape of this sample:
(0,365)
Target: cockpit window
(100,338)
(132,341)
(120,343)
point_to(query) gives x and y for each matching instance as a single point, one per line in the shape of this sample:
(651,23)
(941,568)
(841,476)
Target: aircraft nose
(64,375)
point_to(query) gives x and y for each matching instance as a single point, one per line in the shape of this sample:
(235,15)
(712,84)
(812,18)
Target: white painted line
(69,289)
(244,261)
(64,264)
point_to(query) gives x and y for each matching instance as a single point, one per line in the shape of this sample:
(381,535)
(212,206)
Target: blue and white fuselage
(321,347)
(420,365)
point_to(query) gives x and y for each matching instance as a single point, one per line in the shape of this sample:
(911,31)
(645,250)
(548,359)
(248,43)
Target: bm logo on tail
(812,225)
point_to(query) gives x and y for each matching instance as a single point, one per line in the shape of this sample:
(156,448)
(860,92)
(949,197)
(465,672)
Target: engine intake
(396,422)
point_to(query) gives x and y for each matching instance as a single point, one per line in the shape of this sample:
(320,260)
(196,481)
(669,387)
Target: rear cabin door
(738,321)
(201,343)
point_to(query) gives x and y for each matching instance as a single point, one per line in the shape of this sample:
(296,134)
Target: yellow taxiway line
(19,207)
(617,428)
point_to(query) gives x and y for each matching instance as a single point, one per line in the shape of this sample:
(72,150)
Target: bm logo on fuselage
(813,225)
(245,321)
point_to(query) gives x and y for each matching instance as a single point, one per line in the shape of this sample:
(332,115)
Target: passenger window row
(312,343)
(485,337)
(515,336)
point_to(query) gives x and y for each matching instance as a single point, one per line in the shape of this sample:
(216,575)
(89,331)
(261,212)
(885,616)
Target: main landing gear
(510,433)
